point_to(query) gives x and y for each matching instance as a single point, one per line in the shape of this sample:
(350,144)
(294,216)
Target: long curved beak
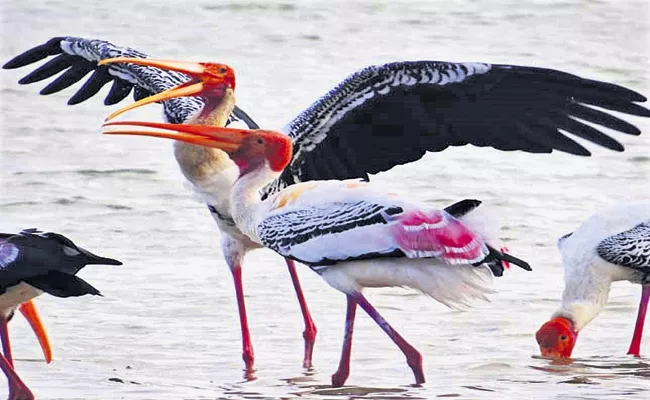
(31,315)
(226,139)
(200,73)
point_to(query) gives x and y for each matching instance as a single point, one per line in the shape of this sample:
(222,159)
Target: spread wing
(630,248)
(77,57)
(392,114)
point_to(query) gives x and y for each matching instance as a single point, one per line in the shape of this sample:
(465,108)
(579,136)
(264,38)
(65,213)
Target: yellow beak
(200,73)
(226,139)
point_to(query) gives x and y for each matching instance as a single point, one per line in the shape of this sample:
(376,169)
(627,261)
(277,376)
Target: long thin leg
(635,346)
(413,357)
(6,344)
(341,374)
(247,347)
(310,328)
(17,388)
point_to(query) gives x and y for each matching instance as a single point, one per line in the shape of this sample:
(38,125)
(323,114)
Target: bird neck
(200,164)
(584,297)
(245,199)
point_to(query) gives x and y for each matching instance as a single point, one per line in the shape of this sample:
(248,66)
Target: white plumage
(587,275)
(613,245)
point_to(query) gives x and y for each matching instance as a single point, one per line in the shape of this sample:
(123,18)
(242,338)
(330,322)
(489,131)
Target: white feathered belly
(16,295)
(453,286)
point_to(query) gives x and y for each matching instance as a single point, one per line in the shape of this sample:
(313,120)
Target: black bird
(33,262)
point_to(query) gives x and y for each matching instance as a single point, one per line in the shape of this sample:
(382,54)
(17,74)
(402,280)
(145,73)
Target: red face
(217,73)
(556,338)
(261,145)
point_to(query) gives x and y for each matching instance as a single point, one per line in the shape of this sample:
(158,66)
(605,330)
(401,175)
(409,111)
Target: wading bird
(349,232)
(611,246)
(378,117)
(33,262)
(308,237)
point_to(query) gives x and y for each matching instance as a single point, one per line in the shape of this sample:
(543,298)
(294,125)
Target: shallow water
(167,327)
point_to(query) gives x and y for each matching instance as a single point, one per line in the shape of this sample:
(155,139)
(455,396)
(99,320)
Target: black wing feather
(119,91)
(394,113)
(73,75)
(79,56)
(94,84)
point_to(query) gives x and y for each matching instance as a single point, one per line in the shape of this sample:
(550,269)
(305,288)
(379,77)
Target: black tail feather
(494,260)
(462,207)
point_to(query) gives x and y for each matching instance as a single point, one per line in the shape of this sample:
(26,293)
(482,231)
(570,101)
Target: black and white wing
(79,56)
(630,248)
(391,114)
(331,232)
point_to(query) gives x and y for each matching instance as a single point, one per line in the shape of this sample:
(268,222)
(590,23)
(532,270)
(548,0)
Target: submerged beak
(226,139)
(31,315)
(204,76)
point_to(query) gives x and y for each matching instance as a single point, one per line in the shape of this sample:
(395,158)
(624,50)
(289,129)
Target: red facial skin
(556,338)
(263,145)
(216,73)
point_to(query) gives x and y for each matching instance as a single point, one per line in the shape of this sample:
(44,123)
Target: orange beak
(31,315)
(226,139)
(204,78)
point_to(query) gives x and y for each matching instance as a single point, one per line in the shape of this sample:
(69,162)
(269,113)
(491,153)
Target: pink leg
(413,357)
(341,374)
(17,388)
(310,328)
(247,347)
(6,345)
(635,346)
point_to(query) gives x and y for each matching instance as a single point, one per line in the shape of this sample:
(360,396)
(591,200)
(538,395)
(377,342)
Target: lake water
(168,326)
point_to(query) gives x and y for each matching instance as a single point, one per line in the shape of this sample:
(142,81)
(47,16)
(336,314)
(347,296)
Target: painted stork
(320,223)
(610,246)
(33,262)
(349,232)
(378,117)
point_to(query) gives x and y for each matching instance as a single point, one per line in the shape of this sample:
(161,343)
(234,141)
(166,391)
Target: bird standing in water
(211,81)
(350,233)
(378,117)
(611,246)
(32,263)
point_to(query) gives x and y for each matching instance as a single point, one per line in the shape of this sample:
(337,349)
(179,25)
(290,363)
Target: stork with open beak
(378,117)
(349,232)
(31,263)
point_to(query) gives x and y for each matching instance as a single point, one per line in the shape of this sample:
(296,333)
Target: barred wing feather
(77,57)
(630,248)
(334,231)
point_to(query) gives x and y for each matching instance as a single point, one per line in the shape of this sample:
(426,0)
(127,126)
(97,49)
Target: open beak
(203,75)
(31,315)
(226,139)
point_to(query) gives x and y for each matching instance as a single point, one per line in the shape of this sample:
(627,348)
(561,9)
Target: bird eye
(260,141)
(223,70)
(563,338)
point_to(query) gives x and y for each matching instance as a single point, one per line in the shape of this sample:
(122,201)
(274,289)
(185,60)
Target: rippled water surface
(167,327)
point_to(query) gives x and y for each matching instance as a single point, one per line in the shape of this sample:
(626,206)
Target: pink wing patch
(438,234)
